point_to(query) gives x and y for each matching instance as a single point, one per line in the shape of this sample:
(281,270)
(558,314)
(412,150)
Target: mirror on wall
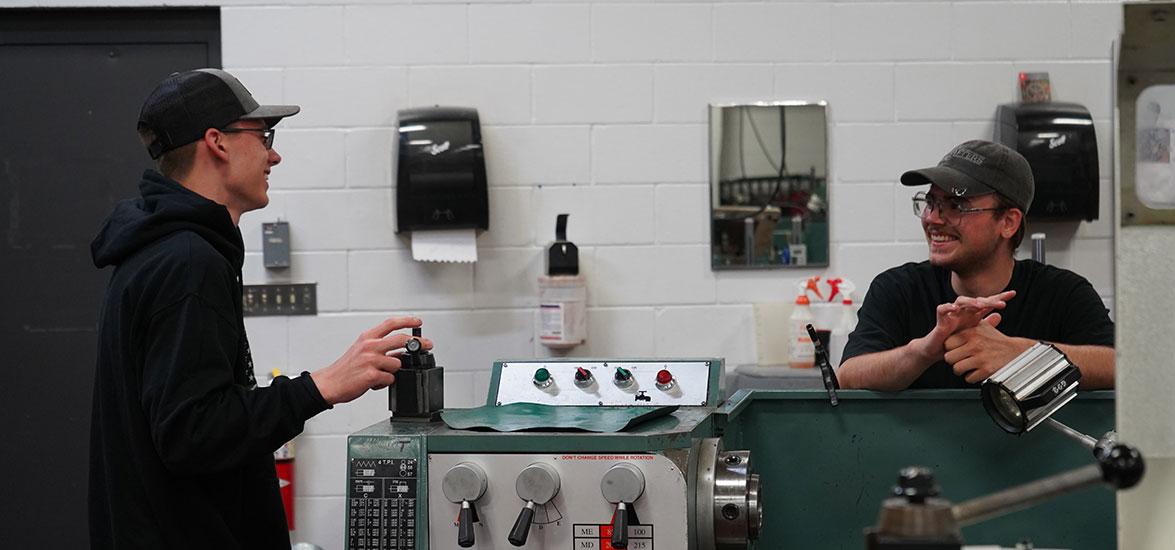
(769,185)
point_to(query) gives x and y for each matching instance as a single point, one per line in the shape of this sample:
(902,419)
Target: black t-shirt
(1051,304)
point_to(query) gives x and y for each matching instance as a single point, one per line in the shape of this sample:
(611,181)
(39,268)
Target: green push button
(542,378)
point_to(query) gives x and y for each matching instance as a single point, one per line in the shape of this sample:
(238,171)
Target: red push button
(665,380)
(663,377)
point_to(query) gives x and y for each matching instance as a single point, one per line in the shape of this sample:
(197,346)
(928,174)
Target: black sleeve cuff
(313,403)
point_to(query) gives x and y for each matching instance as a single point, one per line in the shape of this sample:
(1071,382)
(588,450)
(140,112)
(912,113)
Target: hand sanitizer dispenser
(562,294)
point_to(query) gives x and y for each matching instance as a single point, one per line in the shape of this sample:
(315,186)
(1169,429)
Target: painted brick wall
(599,109)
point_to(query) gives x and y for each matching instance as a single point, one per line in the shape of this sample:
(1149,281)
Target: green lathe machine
(579,454)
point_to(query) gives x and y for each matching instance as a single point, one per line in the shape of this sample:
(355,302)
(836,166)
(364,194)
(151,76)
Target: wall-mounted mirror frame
(769,185)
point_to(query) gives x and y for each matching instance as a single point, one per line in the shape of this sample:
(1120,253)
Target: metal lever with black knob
(465,483)
(521,529)
(622,485)
(537,484)
(465,520)
(620,526)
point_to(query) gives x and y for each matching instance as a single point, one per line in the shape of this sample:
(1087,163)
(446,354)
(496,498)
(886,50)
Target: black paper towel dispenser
(1059,142)
(441,174)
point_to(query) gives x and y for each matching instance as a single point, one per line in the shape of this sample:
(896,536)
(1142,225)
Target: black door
(71,84)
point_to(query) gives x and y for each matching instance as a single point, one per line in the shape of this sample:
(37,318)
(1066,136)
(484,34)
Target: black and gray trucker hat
(980,167)
(185,105)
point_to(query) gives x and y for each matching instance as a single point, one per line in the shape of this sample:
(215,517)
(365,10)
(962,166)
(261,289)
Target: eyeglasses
(951,210)
(266,134)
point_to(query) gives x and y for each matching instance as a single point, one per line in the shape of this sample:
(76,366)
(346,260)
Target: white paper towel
(445,245)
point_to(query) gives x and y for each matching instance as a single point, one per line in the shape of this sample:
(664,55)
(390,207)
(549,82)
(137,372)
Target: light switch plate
(281,299)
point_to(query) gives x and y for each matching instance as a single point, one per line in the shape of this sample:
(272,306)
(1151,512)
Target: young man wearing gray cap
(955,319)
(182,439)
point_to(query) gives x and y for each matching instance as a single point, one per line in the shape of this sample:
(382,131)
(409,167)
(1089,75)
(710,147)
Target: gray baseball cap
(980,167)
(184,105)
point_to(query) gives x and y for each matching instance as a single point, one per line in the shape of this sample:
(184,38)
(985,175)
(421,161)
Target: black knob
(582,374)
(465,525)
(1122,465)
(521,528)
(415,356)
(916,483)
(620,527)
(416,332)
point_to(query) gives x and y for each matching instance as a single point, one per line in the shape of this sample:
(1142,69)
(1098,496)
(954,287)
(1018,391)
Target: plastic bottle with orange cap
(801,352)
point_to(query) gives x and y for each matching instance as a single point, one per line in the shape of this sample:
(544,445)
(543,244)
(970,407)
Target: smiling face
(249,167)
(964,242)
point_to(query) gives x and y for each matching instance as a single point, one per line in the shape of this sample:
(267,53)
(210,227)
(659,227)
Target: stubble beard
(970,261)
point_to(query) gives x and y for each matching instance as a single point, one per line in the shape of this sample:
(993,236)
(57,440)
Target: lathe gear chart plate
(381,500)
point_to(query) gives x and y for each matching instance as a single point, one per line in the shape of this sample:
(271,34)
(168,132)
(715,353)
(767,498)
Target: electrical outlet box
(281,299)
(275,244)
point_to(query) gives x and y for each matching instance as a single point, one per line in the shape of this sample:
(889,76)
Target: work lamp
(1030,388)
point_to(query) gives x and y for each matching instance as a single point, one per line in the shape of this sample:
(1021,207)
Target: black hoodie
(182,440)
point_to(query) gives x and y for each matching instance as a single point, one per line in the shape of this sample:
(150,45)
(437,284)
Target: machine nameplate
(690,383)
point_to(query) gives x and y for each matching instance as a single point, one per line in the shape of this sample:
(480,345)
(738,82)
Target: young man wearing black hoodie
(182,439)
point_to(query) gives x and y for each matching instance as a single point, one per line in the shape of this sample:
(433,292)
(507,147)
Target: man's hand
(369,364)
(964,313)
(897,368)
(978,352)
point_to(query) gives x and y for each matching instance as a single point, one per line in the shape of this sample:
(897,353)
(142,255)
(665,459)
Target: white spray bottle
(848,321)
(801,351)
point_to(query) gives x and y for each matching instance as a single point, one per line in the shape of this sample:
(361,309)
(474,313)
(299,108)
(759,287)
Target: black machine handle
(1119,466)
(521,528)
(620,527)
(830,382)
(465,525)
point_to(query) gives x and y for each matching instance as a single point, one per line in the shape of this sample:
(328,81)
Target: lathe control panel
(556,477)
(567,501)
(607,383)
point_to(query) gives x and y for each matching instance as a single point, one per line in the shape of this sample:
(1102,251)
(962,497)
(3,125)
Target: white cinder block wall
(599,109)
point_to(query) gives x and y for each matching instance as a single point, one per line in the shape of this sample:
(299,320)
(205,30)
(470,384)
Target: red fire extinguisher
(283,458)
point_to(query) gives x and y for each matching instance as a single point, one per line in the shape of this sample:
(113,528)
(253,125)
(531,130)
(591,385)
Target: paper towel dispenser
(441,174)
(1059,142)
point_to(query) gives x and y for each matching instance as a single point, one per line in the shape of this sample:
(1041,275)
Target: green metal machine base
(826,470)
